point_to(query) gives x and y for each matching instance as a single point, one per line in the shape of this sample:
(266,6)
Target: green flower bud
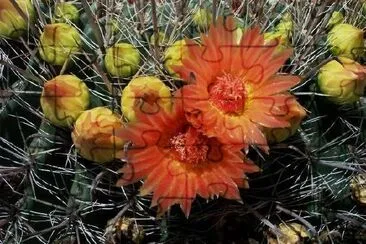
(364,7)
(161,39)
(346,40)
(58,42)
(12,24)
(173,56)
(335,19)
(122,60)
(238,34)
(202,19)
(65,12)
(344,80)
(112,25)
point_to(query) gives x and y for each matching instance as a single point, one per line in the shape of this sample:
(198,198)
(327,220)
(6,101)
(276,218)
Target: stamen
(190,147)
(228,94)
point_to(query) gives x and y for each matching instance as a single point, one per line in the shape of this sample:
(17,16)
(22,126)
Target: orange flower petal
(276,84)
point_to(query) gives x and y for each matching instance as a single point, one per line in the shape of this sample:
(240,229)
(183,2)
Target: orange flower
(236,89)
(178,162)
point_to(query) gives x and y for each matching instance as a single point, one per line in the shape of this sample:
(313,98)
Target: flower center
(228,94)
(150,98)
(190,147)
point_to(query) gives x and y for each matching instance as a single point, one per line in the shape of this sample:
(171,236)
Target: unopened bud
(358,187)
(173,56)
(58,42)
(335,19)
(95,135)
(65,12)
(202,19)
(146,94)
(346,40)
(292,233)
(12,23)
(343,80)
(294,114)
(122,60)
(63,99)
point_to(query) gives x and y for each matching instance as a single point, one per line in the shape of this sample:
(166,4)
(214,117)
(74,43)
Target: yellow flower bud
(173,56)
(282,40)
(124,228)
(161,39)
(282,34)
(343,80)
(293,233)
(58,42)
(65,12)
(202,19)
(147,94)
(94,135)
(122,60)
(295,113)
(238,34)
(335,19)
(112,25)
(63,99)
(12,24)
(358,187)
(346,40)
(285,27)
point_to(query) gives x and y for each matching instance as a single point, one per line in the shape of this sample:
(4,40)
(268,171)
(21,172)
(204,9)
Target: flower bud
(335,19)
(281,40)
(346,40)
(363,7)
(358,187)
(94,135)
(202,19)
(286,25)
(343,80)
(145,94)
(173,56)
(58,42)
(122,60)
(65,12)
(161,39)
(12,24)
(294,114)
(63,99)
(112,26)
(293,233)
(237,35)
(124,230)
(282,34)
